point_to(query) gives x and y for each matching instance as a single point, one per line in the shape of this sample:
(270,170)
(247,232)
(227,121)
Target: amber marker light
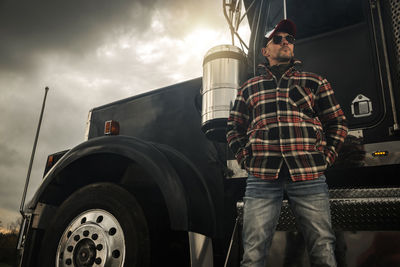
(50,160)
(111,128)
(380,153)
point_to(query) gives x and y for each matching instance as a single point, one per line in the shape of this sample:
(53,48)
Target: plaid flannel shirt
(296,119)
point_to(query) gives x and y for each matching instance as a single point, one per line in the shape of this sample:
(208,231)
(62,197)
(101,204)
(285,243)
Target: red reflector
(111,128)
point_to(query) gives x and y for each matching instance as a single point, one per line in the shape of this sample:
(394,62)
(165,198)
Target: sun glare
(203,38)
(199,41)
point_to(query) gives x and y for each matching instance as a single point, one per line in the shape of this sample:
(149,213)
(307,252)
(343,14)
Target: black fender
(182,186)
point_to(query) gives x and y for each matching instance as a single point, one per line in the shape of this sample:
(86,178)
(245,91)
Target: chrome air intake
(224,69)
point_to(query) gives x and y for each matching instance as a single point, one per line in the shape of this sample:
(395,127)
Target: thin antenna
(284,10)
(21,209)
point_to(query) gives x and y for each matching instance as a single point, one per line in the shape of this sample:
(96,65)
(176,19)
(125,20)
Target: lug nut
(116,253)
(97,261)
(85,233)
(112,231)
(70,248)
(68,262)
(77,237)
(94,236)
(99,247)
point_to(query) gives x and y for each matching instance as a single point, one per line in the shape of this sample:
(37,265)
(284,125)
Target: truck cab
(154,182)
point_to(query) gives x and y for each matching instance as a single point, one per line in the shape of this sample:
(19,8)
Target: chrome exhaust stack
(224,70)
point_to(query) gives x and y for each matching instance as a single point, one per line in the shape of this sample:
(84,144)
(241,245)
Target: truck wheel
(99,225)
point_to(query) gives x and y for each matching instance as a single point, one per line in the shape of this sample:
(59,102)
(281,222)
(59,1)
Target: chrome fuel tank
(224,70)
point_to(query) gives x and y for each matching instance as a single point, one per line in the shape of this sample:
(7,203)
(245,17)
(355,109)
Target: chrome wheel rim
(93,238)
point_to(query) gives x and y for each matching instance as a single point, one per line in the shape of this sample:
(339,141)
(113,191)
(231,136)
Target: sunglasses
(277,39)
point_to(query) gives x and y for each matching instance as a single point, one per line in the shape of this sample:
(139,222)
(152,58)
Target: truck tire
(98,225)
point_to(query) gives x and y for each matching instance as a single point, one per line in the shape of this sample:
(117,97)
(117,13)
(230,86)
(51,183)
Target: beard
(284,56)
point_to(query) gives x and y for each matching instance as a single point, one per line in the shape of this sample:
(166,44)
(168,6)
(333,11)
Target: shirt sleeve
(237,125)
(333,120)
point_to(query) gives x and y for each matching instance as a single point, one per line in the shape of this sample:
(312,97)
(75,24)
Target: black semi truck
(154,183)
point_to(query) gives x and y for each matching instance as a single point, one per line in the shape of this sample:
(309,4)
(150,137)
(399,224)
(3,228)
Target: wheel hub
(94,238)
(85,252)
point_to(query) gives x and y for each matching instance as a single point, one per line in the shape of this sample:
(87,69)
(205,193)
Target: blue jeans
(309,201)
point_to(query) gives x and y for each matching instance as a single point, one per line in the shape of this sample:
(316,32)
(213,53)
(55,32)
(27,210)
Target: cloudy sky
(89,53)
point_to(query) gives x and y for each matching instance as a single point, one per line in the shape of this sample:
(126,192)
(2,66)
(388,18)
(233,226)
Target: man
(285,129)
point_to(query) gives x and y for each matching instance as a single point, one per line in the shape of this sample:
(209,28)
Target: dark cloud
(30,28)
(9,156)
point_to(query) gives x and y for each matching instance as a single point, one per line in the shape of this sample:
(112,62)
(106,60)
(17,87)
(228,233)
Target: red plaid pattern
(296,119)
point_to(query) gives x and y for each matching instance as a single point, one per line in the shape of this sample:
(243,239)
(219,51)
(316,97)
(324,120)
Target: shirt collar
(263,68)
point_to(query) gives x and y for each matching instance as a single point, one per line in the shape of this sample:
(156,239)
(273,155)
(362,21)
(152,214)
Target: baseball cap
(284,25)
